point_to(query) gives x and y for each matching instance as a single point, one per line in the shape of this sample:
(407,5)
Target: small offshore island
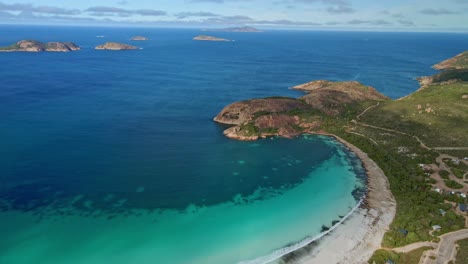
(414,150)
(210,38)
(115,46)
(36,46)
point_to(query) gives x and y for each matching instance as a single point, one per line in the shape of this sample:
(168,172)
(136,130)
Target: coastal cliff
(289,117)
(36,46)
(115,46)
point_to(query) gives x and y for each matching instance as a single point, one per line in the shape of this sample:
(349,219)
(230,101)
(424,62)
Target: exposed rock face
(290,117)
(115,46)
(61,46)
(458,62)
(245,111)
(209,38)
(36,46)
(139,38)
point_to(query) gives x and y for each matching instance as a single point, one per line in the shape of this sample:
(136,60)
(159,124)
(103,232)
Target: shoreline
(362,233)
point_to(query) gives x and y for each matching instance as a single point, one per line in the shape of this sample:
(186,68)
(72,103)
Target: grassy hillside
(437,114)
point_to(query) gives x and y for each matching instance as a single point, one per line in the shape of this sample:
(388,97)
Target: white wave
(289,249)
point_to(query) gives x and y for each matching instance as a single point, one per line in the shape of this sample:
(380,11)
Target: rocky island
(36,46)
(115,46)
(209,38)
(139,38)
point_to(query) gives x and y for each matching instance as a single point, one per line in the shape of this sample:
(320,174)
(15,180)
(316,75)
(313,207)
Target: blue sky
(381,15)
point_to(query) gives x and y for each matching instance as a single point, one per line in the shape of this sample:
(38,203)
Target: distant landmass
(36,46)
(209,38)
(115,46)
(139,38)
(235,29)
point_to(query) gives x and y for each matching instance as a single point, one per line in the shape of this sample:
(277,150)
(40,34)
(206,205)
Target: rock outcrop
(209,38)
(245,111)
(36,46)
(115,46)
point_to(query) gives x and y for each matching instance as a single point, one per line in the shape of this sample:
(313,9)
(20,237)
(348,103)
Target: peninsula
(36,46)
(139,38)
(415,147)
(115,46)
(209,38)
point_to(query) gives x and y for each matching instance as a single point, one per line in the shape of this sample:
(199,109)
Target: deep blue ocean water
(109,134)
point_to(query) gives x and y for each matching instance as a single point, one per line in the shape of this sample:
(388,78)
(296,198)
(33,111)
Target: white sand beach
(361,234)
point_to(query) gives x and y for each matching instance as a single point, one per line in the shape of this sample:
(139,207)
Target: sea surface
(113,157)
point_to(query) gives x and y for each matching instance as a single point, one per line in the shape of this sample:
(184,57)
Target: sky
(378,15)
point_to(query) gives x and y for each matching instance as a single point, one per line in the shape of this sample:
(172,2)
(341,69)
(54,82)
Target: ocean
(113,157)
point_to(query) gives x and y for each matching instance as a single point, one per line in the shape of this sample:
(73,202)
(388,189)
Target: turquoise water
(241,229)
(114,158)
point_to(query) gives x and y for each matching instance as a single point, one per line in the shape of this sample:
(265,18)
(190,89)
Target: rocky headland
(452,70)
(289,117)
(209,38)
(456,63)
(139,38)
(115,46)
(36,46)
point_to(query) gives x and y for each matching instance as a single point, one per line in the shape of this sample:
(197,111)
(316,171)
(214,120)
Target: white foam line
(289,249)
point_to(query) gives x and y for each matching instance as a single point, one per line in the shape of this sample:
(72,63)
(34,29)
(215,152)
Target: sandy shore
(361,234)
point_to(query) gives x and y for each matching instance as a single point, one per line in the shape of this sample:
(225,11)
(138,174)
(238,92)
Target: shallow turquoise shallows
(242,229)
(113,157)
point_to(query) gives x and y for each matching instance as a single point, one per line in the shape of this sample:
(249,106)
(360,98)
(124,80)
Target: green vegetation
(460,75)
(462,252)
(453,184)
(389,134)
(11,47)
(382,256)
(436,114)
(458,173)
(412,257)
(249,129)
(444,174)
